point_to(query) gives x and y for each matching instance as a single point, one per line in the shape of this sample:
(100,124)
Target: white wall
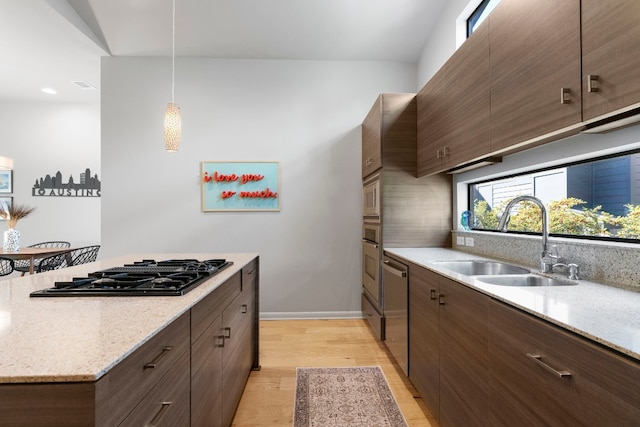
(441,42)
(44,138)
(304,114)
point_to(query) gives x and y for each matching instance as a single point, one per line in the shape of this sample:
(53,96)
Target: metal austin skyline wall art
(54,186)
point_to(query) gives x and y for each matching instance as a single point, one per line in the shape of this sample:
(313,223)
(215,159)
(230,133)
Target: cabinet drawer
(125,385)
(206,311)
(249,273)
(542,375)
(375,319)
(167,404)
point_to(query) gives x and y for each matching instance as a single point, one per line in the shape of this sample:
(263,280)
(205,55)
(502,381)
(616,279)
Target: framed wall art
(6,182)
(5,202)
(240,186)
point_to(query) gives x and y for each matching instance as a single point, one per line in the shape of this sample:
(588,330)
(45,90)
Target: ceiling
(51,43)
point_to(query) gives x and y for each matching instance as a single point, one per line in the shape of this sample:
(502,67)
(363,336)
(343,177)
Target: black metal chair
(23,265)
(52,262)
(82,255)
(6,266)
(71,257)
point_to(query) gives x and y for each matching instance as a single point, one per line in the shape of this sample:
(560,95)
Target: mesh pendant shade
(172,127)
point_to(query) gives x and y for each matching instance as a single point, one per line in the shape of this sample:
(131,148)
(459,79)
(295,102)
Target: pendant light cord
(173,53)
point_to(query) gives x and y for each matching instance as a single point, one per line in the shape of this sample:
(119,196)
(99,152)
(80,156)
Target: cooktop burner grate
(142,278)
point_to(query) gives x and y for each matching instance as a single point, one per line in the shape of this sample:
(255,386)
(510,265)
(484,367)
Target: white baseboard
(311,315)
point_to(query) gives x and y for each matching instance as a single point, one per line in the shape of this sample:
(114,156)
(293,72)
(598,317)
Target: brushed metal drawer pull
(441,299)
(154,363)
(243,309)
(565,95)
(391,270)
(156,419)
(592,82)
(433,294)
(227,333)
(538,359)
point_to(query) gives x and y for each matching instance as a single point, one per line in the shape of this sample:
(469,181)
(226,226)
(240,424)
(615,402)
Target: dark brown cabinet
(610,56)
(448,359)
(463,355)
(477,361)
(222,355)
(454,109)
(407,211)
(424,335)
(541,375)
(535,69)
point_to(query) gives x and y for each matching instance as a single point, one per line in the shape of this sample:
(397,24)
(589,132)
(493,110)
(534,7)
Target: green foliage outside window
(566,216)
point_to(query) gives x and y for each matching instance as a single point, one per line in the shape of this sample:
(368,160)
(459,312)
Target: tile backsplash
(614,264)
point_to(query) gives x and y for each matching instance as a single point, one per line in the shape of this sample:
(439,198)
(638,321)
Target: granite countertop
(607,315)
(64,339)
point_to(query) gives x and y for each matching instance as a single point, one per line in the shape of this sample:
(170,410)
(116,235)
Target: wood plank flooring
(268,397)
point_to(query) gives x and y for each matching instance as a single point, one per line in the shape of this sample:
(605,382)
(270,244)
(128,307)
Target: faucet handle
(573,271)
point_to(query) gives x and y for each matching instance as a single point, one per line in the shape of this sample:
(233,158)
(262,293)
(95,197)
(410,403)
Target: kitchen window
(595,199)
(479,14)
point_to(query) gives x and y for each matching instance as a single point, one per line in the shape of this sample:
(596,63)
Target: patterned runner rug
(345,397)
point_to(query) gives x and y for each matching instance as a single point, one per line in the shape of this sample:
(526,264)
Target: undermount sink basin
(525,280)
(481,268)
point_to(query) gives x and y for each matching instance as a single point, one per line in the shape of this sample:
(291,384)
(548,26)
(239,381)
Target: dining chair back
(6,266)
(23,265)
(52,262)
(83,255)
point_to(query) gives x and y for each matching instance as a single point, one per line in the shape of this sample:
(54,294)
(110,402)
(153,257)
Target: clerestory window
(479,14)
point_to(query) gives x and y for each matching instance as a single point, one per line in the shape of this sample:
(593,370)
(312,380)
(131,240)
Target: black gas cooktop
(142,278)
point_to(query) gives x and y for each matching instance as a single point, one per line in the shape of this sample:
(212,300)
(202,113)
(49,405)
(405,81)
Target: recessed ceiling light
(49,90)
(83,85)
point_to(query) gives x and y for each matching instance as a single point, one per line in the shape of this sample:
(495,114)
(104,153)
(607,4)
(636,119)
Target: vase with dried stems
(12,214)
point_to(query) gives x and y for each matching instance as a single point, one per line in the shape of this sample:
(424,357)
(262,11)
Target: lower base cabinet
(542,375)
(191,373)
(477,361)
(448,347)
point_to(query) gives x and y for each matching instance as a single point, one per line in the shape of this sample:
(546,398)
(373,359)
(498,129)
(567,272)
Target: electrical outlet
(460,240)
(468,241)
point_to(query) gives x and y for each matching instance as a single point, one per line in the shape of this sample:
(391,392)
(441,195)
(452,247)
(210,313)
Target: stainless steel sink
(480,268)
(525,280)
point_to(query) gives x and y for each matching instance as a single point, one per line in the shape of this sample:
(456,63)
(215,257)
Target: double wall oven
(372,299)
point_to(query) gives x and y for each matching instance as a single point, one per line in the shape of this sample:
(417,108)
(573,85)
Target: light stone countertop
(63,339)
(607,315)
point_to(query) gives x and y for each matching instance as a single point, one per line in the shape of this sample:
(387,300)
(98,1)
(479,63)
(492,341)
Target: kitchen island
(72,360)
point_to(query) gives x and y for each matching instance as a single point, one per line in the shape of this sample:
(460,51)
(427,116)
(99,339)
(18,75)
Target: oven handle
(374,244)
(394,271)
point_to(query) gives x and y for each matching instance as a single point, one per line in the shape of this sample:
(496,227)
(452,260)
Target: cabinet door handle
(445,152)
(439,154)
(433,294)
(158,416)
(220,342)
(538,360)
(592,82)
(441,299)
(243,309)
(154,363)
(565,95)
(369,162)
(227,333)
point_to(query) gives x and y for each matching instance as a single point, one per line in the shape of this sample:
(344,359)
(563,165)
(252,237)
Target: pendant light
(6,163)
(172,121)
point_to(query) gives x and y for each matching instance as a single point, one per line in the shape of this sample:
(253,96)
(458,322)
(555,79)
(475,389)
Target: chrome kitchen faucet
(547,259)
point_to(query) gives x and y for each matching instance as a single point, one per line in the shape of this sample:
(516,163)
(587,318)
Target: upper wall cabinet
(535,69)
(390,122)
(610,56)
(453,109)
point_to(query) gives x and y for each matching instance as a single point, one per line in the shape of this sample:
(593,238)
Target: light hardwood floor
(286,344)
